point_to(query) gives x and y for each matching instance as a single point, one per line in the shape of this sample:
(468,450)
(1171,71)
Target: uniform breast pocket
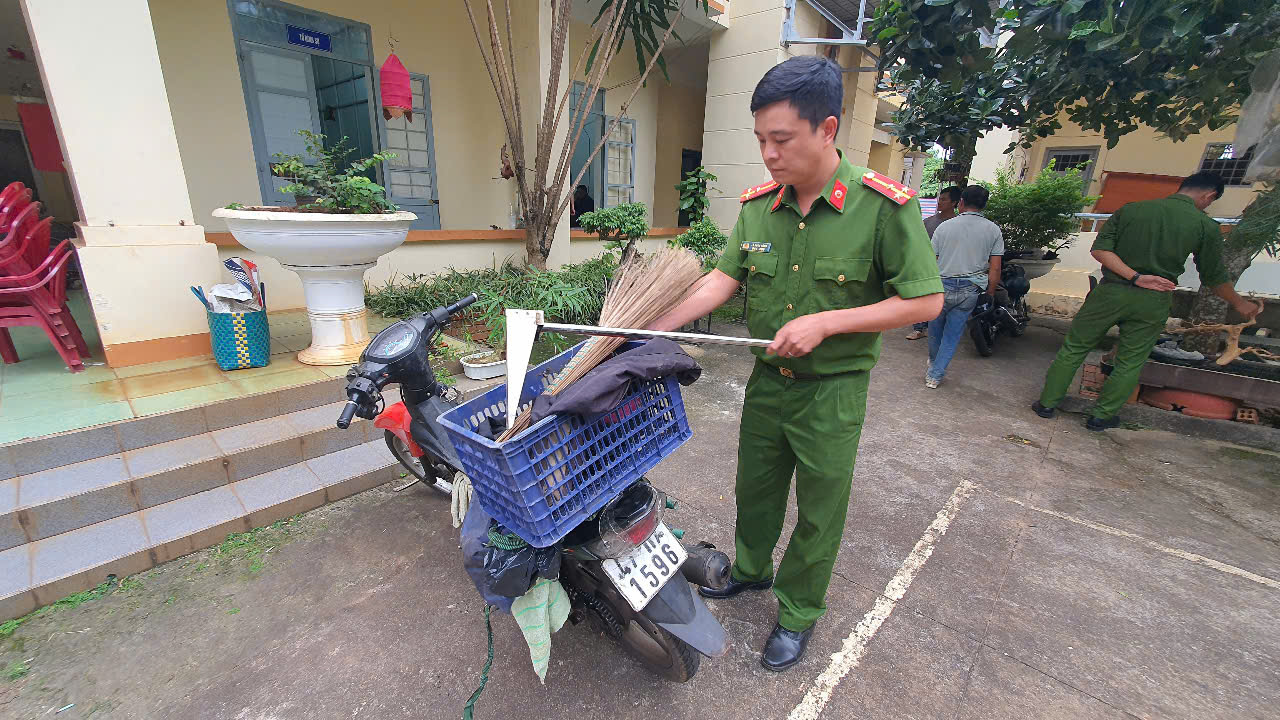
(761,269)
(841,282)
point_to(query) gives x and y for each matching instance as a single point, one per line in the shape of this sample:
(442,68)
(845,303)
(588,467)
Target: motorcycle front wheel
(425,473)
(983,337)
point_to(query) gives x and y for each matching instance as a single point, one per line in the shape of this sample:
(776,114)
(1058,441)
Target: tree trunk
(956,169)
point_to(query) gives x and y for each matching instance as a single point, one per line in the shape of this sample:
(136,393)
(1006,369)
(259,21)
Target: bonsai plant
(326,186)
(620,227)
(705,239)
(1039,214)
(342,226)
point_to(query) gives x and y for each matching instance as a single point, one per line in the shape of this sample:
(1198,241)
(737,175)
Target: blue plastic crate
(546,481)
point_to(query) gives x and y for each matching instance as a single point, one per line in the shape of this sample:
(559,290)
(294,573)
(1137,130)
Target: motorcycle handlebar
(348,411)
(461,304)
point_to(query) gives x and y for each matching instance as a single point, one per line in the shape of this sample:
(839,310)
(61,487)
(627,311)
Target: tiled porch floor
(39,396)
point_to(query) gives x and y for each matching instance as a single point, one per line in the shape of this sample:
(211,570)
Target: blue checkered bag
(240,340)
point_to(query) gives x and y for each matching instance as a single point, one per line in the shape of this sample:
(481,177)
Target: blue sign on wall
(309,38)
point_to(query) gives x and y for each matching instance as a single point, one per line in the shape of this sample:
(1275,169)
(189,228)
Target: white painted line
(856,644)
(1183,554)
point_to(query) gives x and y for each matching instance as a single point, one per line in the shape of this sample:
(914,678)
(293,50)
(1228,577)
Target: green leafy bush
(620,226)
(705,239)
(573,294)
(326,185)
(1037,214)
(693,193)
(931,181)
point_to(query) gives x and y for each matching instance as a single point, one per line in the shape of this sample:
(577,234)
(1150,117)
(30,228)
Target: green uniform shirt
(1154,237)
(855,247)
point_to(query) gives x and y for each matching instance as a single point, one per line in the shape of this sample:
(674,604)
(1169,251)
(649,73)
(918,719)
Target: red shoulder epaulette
(752,193)
(895,191)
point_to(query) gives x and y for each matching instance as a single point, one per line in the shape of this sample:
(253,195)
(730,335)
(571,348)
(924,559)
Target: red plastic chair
(27,306)
(12,202)
(15,235)
(24,257)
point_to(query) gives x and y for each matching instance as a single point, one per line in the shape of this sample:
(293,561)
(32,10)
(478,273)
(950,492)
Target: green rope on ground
(469,708)
(505,541)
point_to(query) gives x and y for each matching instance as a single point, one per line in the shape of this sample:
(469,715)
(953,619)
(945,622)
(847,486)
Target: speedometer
(394,341)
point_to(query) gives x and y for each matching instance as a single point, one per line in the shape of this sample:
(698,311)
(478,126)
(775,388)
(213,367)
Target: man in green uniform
(1143,249)
(835,254)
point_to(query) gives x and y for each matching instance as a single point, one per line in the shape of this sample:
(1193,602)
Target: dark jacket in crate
(606,385)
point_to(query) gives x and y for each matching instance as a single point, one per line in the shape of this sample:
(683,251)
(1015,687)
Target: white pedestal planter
(1036,268)
(330,253)
(482,371)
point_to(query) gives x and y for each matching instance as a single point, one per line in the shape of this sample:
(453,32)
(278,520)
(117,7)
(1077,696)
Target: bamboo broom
(642,291)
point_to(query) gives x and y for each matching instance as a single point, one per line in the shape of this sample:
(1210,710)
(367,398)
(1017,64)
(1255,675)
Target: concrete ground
(994,565)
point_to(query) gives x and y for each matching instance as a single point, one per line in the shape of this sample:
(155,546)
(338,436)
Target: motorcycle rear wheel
(983,341)
(657,649)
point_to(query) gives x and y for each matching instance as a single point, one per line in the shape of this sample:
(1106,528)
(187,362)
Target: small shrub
(705,239)
(1037,214)
(693,193)
(620,227)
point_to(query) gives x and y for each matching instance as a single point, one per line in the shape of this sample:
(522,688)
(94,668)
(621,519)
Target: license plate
(641,573)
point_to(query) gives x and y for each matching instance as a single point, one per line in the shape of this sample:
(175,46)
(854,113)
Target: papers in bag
(247,294)
(232,297)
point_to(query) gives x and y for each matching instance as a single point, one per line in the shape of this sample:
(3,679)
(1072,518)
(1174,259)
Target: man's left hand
(798,337)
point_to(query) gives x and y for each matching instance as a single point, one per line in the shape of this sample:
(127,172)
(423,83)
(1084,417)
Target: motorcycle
(622,567)
(1005,313)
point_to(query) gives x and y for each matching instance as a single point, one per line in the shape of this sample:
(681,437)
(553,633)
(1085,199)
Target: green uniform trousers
(1141,315)
(810,428)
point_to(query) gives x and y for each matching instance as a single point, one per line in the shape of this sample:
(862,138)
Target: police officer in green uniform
(1143,249)
(834,254)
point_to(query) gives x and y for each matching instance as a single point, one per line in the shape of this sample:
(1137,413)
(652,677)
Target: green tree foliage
(328,184)
(620,226)
(931,183)
(705,239)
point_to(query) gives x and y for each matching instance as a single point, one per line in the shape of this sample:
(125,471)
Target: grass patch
(16,670)
(69,602)
(730,312)
(254,544)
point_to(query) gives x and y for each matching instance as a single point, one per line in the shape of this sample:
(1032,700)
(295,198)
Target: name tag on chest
(760,247)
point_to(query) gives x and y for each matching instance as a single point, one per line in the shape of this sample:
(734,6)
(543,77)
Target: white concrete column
(140,247)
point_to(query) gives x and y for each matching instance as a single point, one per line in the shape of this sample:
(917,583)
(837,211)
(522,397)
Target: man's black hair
(975,197)
(811,84)
(1204,181)
(954,192)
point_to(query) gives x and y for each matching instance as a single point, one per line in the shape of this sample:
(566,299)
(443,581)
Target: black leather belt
(791,374)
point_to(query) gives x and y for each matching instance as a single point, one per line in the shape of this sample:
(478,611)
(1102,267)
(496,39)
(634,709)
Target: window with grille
(620,164)
(1225,160)
(411,174)
(1066,159)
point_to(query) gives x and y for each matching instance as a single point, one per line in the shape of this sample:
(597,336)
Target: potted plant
(489,363)
(341,226)
(1037,218)
(619,227)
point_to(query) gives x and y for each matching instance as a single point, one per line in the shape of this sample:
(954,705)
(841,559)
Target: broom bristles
(642,291)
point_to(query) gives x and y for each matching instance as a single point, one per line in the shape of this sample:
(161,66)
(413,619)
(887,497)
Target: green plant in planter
(620,227)
(705,239)
(1038,214)
(693,193)
(327,184)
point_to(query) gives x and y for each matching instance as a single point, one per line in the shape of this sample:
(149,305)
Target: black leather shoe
(1042,411)
(734,587)
(784,648)
(1098,424)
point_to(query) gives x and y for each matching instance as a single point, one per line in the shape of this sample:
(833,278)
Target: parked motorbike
(622,567)
(1005,313)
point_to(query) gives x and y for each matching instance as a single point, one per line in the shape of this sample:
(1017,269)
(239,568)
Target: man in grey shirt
(948,198)
(969,249)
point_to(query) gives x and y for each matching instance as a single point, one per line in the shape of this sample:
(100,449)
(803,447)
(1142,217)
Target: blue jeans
(946,330)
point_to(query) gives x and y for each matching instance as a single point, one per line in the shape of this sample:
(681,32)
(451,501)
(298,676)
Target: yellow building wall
(680,116)
(202,78)
(1144,151)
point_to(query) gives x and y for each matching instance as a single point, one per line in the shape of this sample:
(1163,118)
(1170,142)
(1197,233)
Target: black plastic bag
(510,573)
(474,539)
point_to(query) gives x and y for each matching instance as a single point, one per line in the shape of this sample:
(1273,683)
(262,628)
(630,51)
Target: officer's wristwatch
(1134,280)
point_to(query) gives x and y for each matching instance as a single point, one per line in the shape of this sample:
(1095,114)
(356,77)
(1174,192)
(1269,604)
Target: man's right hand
(1155,282)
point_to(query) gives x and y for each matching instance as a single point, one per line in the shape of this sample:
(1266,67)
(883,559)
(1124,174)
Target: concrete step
(40,572)
(40,505)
